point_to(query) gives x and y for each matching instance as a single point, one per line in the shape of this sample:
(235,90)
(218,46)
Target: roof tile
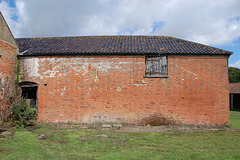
(114,45)
(234,88)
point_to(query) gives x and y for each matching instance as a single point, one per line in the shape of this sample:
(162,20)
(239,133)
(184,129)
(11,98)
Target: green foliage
(69,122)
(234,74)
(16,73)
(19,127)
(22,113)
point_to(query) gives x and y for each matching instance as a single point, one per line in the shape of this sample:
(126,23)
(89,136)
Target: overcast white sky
(211,22)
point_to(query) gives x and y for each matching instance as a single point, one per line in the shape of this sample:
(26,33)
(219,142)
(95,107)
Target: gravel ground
(7,130)
(144,129)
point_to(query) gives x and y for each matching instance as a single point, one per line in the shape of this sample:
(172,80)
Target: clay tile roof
(114,45)
(234,88)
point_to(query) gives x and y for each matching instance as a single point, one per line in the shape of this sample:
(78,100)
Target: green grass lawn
(63,143)
(235,119)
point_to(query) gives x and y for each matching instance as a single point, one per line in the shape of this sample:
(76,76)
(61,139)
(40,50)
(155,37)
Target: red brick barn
(8,57)
(124,79)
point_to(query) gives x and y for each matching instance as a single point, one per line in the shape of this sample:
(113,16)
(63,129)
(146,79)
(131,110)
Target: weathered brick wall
(112,89)
(6,34)
(200,89)
(8,58)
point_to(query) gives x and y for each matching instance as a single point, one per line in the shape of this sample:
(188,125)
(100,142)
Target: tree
(234,74)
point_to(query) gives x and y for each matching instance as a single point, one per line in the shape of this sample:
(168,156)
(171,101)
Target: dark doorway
(235,102)
(29,92)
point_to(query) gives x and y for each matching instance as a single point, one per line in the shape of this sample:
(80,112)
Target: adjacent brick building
(8,57)
(234,91)
(125,79)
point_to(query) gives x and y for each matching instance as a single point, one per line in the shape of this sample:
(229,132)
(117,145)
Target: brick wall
(112,89)
(6,34)
(8,57)
(7,75)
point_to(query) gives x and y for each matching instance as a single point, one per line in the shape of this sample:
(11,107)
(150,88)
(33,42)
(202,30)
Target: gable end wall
(7,75)
(8,57)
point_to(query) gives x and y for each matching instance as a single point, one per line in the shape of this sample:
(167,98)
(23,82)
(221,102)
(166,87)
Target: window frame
(160,65)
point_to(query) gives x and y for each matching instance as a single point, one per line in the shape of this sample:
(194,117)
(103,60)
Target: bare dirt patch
(145,128)
(59,141)
(32,128)
(170,129)
(6,130)
(5,151)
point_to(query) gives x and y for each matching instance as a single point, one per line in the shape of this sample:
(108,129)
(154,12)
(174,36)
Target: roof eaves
(117,54)
(227,52)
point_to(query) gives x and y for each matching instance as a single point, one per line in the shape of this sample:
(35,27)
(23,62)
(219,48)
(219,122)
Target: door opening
(29,92)
(234,102)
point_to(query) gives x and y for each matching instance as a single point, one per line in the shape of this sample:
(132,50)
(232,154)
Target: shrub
(22,113)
